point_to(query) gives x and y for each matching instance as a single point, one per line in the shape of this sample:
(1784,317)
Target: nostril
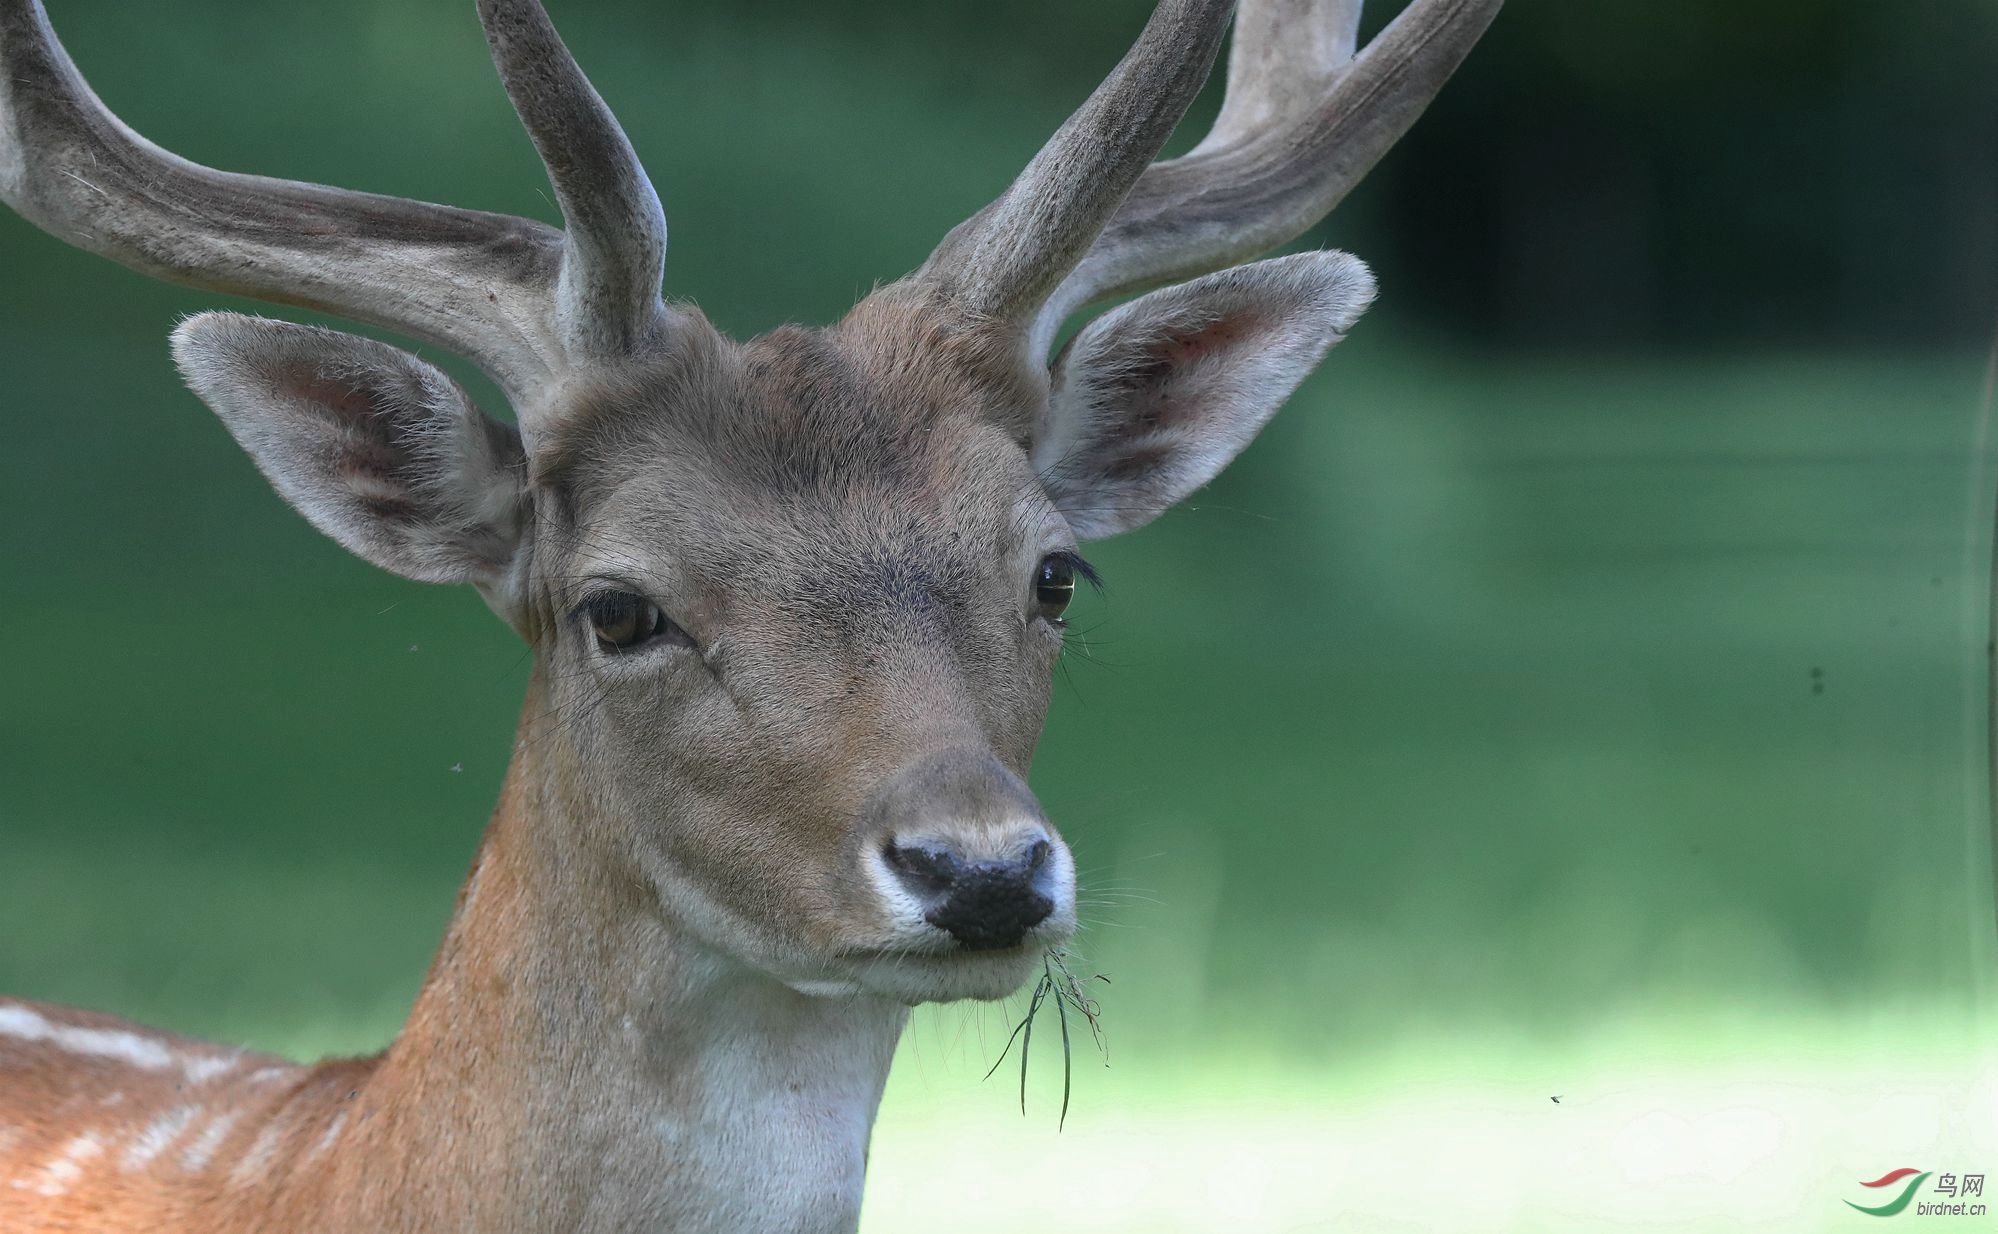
(926,870)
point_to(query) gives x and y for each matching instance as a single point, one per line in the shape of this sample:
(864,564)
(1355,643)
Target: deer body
(691,1095)
(794,604)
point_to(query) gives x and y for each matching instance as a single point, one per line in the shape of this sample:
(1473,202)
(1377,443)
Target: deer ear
(1151,400)
(376,448)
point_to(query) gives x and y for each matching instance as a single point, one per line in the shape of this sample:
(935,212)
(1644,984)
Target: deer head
(794,602)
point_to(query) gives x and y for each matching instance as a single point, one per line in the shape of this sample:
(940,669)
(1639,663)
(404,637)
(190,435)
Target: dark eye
(626,622)
(1054,584)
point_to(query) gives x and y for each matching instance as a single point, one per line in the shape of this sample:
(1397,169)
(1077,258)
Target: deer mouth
(935,967)
(914,976)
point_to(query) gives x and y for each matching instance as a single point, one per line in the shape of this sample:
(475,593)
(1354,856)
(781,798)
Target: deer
(794,606)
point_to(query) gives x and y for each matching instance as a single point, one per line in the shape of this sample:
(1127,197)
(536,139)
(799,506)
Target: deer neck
(597,1068)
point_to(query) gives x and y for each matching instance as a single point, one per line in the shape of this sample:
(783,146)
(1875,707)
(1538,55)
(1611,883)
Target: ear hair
(378,449)
(1151,400)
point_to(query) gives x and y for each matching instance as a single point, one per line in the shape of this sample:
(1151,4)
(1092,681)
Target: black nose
(984,905)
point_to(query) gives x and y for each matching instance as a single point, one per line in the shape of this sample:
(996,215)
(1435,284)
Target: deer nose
(984,905)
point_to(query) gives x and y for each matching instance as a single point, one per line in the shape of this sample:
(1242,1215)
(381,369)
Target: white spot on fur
(262,1150)
(61,1171)
(112,1043)
(158,1135)
(198,1153)
(202,1070)
(271,1075)
(332,1134)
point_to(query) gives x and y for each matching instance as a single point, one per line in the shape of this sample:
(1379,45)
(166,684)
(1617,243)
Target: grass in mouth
(1069,992)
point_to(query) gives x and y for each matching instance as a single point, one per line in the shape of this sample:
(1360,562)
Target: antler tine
(521,299)
(457,278)
(608,299)
(1282,58)
(1004,261)
(1304,120)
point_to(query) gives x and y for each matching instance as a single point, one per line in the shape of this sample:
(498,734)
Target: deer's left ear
(380,450)
(1151,400)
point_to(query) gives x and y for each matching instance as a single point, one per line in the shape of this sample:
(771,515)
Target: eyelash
(1082,568)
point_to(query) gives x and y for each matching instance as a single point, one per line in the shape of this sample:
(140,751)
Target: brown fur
(881,625)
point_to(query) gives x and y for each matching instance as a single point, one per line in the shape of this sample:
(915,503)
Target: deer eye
(1054,584)
(626,622)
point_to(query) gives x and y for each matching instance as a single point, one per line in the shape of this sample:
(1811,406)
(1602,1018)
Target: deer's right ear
(1151,400)
(378,449)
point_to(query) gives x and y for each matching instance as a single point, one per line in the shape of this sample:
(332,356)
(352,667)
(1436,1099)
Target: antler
(519,298)
(1005,260)
(1305,118)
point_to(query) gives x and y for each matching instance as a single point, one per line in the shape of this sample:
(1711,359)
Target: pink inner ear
(1211,339)
(1154,401)
(344,400)
(371,457)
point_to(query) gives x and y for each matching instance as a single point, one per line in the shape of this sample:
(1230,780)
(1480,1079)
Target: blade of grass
(1027,1040)
(1067,1059)
(1008,1047)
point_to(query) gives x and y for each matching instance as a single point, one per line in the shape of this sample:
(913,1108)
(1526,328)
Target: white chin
(913,978)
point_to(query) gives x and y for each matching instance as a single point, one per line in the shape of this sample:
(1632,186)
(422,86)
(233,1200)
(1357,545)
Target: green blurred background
(1579,690)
